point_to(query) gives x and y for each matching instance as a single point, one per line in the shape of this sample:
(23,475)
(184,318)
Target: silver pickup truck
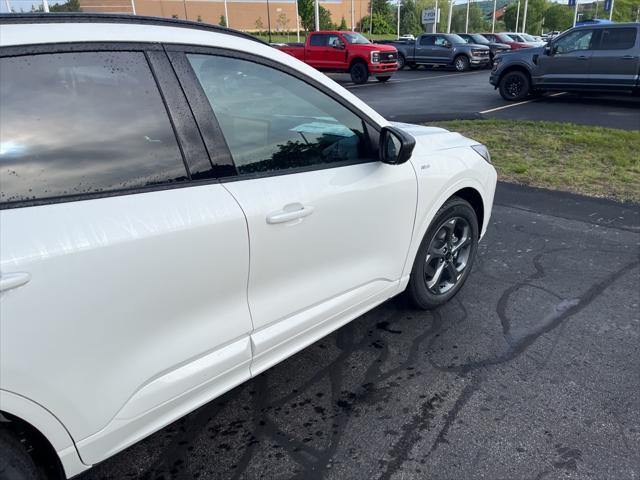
(441,49)
(585,58)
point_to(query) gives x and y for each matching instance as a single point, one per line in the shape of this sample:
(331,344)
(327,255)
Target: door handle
(13,280)
(583,57)
(293,211)
(628,57)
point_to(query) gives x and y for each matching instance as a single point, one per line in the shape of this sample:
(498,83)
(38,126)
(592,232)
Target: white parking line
(452,74)
(520,103)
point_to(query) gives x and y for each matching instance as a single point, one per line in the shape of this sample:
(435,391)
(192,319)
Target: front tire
(445,256)
(514,86)
(383,79)
(15,462)
(461,63)
(359,73)
(401,62)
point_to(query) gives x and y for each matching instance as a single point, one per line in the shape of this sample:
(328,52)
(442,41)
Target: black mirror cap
(548,49)
(406,144)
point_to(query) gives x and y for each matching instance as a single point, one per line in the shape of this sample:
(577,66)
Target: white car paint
(126,313)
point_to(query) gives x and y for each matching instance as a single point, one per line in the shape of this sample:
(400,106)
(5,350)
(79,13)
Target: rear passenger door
(317,49)
(615,62)
(124,262)
(425,49)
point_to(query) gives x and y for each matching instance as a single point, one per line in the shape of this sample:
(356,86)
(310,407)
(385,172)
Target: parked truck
(441,49)
(337,51)
(585,58)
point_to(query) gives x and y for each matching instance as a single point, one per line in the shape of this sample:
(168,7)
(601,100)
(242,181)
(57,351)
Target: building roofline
(65,17)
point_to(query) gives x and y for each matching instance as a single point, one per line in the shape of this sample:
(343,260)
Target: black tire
(383,79)
(445,254)
(402,62)
(15,462)
(359,73)
(514,86)
(461,63)
(413,66)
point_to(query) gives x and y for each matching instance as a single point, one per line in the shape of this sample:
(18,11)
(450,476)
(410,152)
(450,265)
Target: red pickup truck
(333,51)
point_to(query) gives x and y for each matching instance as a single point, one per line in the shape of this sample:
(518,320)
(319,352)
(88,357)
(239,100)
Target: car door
(441,49)
(425,49)
(568,61)
(123,302)
(336,54)
(615,63)
(317,50)
(329,225)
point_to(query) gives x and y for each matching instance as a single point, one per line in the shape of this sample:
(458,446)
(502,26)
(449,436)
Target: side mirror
(396,146)
(549,50)
(338,45)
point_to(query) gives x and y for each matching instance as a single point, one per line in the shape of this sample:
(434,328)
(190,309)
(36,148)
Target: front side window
(273,121)
(618,38)
(576,40)
(356,39)
(79,123)
(441,41)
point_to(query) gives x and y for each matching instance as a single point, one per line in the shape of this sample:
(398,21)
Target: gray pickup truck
(441,49)
(586,58)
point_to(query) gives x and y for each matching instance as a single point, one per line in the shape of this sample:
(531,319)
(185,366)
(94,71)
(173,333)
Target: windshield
(517,38)
(355,38)
(528,37)
(477,38)
(455,38)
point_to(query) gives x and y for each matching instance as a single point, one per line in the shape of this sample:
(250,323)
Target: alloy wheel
(448,255)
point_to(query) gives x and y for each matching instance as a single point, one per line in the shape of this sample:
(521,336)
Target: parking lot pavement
(532,371)
(439,94)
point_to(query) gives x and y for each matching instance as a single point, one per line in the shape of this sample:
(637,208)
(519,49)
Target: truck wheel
(401,62)
(445,256)
(359,73)
(15,462)
(383,79)
(413,66)
(514,86)
(461,63)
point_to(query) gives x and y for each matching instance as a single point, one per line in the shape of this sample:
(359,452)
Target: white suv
(183,207)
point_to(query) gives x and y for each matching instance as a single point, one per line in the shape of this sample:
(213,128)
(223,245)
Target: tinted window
(426,40)
(77,123)
(618,38)
(318,40)
(576,40)
(441,41)
(274,121)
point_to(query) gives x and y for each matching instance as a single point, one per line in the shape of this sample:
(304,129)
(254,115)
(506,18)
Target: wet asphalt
(531,372)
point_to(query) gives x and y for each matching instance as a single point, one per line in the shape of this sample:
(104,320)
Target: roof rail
(66,17)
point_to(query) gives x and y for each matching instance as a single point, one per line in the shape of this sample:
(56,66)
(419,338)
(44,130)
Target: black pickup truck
(586,58)
(441,49)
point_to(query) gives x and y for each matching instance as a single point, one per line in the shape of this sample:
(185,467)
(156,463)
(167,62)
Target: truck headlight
(375,56)
(483,151)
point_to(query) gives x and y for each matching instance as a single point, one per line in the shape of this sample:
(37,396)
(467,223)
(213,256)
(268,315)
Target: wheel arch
(358,59)
(41,428)
(513,68)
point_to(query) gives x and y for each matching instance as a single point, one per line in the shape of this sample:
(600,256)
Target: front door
(568,62)
(329,226)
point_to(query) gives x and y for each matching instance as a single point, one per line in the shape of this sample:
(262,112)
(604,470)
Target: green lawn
(601,162)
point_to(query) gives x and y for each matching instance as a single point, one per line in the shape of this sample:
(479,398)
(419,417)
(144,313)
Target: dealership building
(249,15)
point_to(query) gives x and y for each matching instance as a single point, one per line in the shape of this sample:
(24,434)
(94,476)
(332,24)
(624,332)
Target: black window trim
(195,95)
(179,123)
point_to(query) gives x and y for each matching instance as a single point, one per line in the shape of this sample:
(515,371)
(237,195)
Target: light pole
(133,6)
(353,25)
(610,10)
(45,5)
(450,15)
(518,16)
(370,16)
(466,24)
(316,8)
(435,22)
(297,22)
(226,15)
(6,2)
(269,19)
(575,14)
(493,20)
(524,17)
(399,4)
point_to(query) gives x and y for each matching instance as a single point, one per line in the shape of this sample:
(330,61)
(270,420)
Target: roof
(17,18)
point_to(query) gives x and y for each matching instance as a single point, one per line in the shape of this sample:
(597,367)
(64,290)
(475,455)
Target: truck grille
(480,53)
(388,57)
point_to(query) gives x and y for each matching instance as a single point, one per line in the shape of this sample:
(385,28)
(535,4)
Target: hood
(523,52)
(505,46)
(476,46)
(430,139)
(379,47)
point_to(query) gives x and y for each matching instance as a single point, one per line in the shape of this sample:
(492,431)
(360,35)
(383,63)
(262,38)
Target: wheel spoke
(461,243)
(453,272)
(436,276)
(449,228)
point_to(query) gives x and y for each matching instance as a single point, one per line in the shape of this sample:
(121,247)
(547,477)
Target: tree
(558,18)
(282,21)
(223,21)
(307,16)
(343,24)
(383,16)
(69,6)
(259,25)
(199,19)
(477,22)
(409,22)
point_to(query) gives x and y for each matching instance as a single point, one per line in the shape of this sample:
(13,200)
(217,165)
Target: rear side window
(618,38)
(81,123)
(318,40)
(426,40)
